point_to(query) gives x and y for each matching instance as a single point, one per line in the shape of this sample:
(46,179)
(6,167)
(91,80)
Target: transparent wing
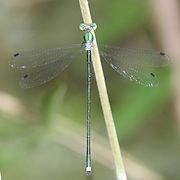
(41,57)
(136,65)
(39,69)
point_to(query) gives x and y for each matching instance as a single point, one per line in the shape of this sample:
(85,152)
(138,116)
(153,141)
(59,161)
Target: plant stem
(120,171)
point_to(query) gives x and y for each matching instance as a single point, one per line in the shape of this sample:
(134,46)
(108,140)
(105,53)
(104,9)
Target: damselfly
(40,66)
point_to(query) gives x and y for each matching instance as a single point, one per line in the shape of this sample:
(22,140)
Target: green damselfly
(42,65)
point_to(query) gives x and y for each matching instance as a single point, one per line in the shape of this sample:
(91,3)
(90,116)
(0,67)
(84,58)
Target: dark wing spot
(152,74)
(162,54)
(25,76)
(17,54)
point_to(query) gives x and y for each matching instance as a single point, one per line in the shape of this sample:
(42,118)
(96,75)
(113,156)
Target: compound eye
(93,26)
(82,26)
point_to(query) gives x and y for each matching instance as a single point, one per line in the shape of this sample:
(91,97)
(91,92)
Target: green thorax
(88,37)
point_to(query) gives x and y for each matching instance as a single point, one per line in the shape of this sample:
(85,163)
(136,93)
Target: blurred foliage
(144,117)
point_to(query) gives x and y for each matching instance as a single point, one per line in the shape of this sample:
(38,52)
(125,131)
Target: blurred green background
(42,130)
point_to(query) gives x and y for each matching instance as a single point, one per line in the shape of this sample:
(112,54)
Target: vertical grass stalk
(120,171)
